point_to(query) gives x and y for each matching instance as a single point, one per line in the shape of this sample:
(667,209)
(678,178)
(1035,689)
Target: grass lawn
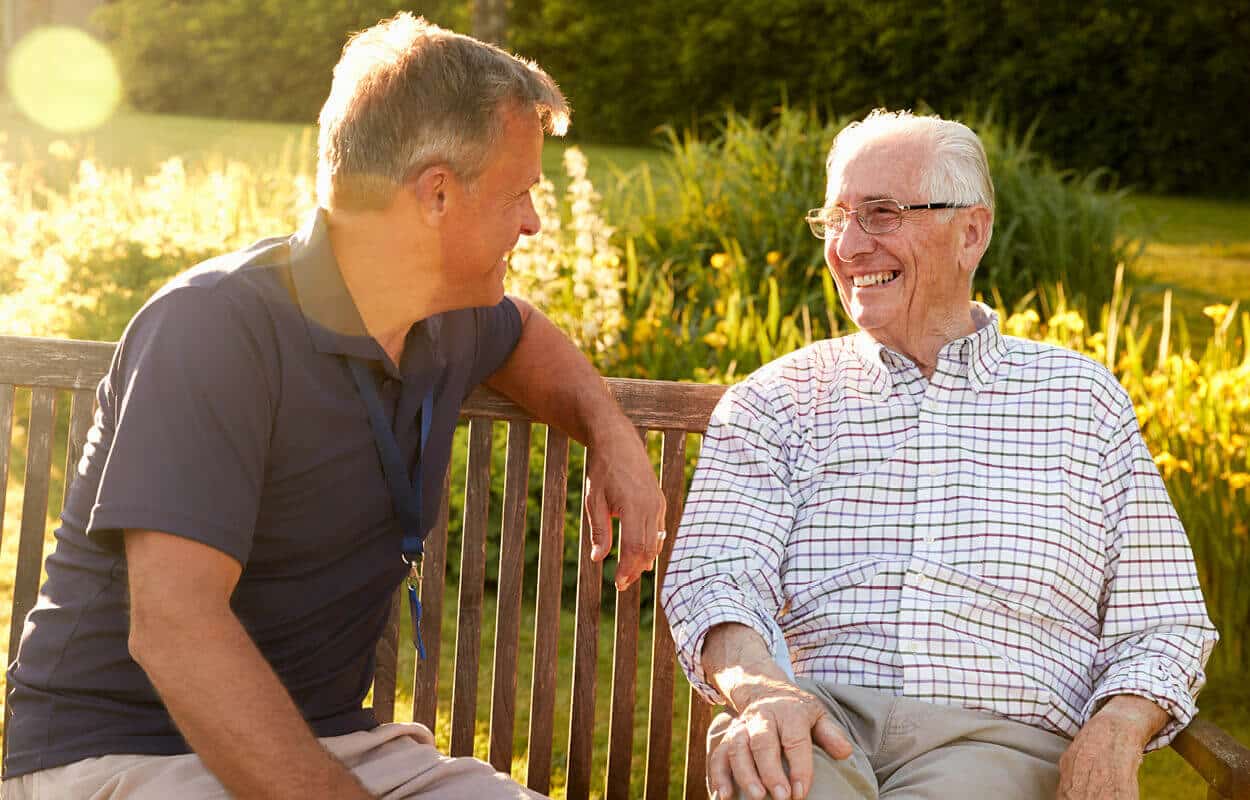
(1200,249)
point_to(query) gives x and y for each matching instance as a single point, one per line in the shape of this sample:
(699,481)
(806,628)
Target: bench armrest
(1222,761)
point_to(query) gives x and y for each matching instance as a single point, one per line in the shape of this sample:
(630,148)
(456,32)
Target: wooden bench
(51,367)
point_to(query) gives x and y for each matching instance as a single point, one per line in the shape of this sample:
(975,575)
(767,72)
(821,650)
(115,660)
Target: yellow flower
(720,260)
(1166,462)
(715,339)
(773,258)
(1216,312)
(1237,480)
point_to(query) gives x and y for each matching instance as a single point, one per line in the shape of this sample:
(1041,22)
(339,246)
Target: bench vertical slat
(82,408)
(472,581)
(7,393)
(660,717)
(696,747)
(547,612)
(34,510)
(386,667)
(433,578)
(508,606)
(585,659)
(624,687)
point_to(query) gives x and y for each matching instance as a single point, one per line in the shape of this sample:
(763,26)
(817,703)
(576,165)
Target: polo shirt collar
(981,352)
(331,315)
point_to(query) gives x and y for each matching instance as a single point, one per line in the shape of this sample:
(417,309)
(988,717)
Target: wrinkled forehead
(891,166)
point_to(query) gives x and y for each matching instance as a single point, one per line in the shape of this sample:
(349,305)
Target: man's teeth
(875,278)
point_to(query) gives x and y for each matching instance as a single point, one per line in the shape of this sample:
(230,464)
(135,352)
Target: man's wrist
(1140,716)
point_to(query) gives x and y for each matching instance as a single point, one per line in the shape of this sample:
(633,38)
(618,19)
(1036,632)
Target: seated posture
(942,554)
(270,449)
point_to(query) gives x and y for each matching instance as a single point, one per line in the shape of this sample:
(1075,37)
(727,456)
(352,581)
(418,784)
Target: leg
(932,752)
(398,761)
(851,779)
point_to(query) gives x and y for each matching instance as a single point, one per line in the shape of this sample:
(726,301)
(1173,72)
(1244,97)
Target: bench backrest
(52,368)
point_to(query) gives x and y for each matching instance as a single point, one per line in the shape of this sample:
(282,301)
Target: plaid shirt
(995,537)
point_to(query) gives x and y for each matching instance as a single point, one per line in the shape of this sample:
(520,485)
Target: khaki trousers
(393,761)
(906,749)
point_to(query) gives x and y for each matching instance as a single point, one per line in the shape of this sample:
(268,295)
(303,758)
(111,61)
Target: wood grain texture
(696,748)
(82,409)
(652,405)
(56,363)
(663,659)
(547,612)
(508,604)
(34,510)
(7,395)
(585,662)
(434,572)
(472,584)
(624,693)
(1222,761)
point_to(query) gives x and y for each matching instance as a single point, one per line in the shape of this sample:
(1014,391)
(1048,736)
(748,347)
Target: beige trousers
(393,761)
(906,749)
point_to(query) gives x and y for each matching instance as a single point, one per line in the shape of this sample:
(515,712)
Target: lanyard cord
(405,491)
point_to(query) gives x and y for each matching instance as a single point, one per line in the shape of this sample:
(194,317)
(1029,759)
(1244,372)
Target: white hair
(958,171)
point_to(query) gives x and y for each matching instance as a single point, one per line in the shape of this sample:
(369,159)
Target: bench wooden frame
(49,366)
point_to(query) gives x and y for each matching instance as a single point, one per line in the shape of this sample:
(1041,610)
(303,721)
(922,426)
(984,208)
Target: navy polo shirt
(229,416)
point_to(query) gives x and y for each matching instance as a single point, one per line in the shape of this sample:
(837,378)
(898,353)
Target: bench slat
(547,612)
(54,363)
(1222,761)
(82,409)
(508,604)
(34,511)
(624,687)
(433,580)
(7,393)
(660,716)
(653,405)
(585,660)
(386,655)
(696,747)
(472,584)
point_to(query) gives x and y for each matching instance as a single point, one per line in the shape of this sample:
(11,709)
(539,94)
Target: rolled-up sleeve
(726,564)
(1156,635)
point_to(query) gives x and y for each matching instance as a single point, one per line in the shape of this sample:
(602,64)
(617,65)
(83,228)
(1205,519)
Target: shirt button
(911,647)
(921,581)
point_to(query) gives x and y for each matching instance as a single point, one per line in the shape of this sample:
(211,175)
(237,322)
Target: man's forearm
(549,377)
(235,713)
(1141,717)
(736,660)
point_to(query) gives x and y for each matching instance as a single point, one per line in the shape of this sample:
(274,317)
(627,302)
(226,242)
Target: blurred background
(138,137)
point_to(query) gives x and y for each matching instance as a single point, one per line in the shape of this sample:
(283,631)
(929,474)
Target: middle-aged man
(243,512)
(956,539)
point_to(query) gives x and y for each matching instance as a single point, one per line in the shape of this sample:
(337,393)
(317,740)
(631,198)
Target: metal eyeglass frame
(818,219)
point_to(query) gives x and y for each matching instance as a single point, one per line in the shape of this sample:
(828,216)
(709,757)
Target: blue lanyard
(405,492)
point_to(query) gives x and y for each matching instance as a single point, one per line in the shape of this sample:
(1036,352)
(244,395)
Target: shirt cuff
(690,633)
(1160,680)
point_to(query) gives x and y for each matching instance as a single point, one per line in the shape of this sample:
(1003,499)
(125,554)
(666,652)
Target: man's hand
(780,719)
(621,483)
(1103,759)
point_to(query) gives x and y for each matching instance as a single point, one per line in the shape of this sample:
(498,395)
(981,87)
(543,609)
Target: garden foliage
(722,282)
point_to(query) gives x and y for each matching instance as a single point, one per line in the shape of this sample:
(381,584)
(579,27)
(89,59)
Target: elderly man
(956,540)
(272,437)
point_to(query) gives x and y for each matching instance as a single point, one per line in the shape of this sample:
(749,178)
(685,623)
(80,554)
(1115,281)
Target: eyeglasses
(874,216)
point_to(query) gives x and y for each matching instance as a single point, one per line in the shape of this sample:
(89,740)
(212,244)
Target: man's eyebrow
(874,197)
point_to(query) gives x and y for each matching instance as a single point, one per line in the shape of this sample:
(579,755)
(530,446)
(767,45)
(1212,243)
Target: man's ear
(429,188)
(974,236)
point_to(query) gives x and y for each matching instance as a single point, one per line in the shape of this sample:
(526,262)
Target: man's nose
(852,242)
(530,222)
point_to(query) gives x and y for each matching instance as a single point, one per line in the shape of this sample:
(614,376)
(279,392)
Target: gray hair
(408,94)
(958,171)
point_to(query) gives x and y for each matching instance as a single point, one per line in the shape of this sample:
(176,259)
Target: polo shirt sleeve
(189,411)
(497,329)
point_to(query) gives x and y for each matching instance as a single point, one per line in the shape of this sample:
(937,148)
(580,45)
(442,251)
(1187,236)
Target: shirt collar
(980,352)
(333,320)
